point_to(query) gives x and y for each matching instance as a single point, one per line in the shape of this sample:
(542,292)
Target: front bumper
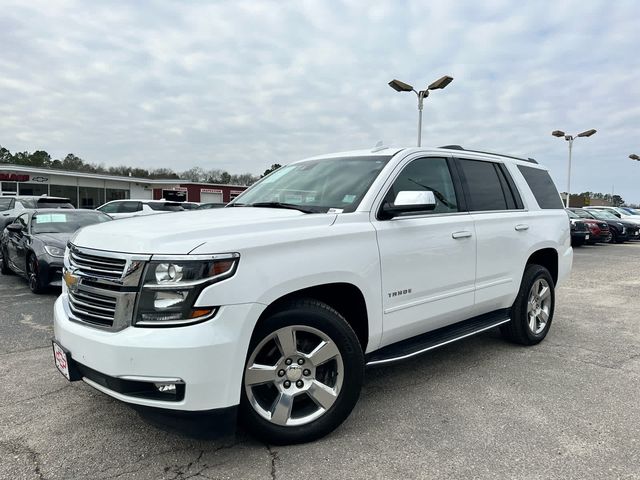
(50,269)
(208,357)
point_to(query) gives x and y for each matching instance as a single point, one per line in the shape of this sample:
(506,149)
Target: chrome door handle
(522,227)
(461,234)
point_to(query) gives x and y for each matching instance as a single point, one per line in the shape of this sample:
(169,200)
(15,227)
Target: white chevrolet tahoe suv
(271,308)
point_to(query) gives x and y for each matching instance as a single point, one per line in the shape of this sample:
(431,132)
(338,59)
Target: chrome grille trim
(106,289)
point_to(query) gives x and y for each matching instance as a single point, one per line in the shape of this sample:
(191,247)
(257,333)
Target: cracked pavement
(480,408)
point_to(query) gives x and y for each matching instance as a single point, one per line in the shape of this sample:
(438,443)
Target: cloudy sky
(240,85)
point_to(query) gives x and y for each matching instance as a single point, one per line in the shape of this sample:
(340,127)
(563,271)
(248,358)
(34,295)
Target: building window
(9,188)
(33,189)
(234,193)
(90,197)
(117,194)
(65,191)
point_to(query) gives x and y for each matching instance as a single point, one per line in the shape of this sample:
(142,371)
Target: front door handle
(461,234)
(521,227)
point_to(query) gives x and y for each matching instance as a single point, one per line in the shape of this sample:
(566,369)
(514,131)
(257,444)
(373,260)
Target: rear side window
(166,207)
(487,186)
(129,207)
(6,204)
(542,187)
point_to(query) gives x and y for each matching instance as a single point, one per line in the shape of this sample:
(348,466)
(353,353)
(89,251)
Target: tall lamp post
(399,86)
(570,139)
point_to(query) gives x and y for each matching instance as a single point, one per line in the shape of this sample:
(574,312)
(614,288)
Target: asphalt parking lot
(481,408)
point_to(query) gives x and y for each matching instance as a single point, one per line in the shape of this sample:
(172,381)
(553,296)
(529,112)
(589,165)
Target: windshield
(631,211)
(317,185)
(604,215)
(67,222)
(5,203)
(571,214)
(166,207)
(582,213)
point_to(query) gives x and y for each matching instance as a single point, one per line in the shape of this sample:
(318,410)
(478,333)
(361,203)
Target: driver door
(16,242)
(428,259)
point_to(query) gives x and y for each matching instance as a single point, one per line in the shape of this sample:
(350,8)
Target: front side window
(427,174)
(129,207)
(316,186)
(486,186)
(110,208)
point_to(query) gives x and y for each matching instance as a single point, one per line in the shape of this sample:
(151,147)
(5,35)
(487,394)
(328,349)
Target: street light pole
(399,86)
(570,139)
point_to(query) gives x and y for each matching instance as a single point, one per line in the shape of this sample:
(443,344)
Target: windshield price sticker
(51,218)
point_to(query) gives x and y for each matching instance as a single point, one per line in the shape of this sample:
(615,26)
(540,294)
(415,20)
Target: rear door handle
(522,227)
(461,234)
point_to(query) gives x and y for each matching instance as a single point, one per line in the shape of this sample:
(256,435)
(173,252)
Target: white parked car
(271,308)
(136,208)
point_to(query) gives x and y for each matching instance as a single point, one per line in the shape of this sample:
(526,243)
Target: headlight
(171,286)
(54,251)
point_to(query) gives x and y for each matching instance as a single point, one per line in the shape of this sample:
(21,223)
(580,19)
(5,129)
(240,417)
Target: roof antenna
(379,146)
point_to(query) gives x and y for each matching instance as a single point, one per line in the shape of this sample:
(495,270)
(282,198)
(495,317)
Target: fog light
(166,387)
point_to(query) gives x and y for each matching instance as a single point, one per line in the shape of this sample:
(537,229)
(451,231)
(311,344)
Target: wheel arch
(346,298)
(547,258)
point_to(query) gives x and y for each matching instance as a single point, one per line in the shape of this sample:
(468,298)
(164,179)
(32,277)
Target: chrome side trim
(419,352)
(144,378)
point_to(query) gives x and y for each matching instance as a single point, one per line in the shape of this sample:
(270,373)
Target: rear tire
(532,311)
(314,372)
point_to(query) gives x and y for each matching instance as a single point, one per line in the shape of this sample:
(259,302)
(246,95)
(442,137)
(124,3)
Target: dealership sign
(13,177)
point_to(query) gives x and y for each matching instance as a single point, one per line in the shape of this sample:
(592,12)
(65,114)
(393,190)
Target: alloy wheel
(294,375)
(539,306)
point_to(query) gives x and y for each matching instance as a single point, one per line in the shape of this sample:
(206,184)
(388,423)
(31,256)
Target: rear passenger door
(501,231)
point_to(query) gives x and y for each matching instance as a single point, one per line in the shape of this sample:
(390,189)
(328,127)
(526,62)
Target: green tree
(274,167)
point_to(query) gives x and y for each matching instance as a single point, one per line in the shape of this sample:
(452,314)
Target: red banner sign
(13,177)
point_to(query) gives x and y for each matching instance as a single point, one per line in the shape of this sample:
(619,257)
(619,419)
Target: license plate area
(64,363)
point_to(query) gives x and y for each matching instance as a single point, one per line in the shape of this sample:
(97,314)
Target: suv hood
(182,232)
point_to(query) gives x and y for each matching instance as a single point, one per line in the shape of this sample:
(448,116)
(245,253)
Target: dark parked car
(598,229)
(619,229)
(11,207)
(33,244)
(579,232)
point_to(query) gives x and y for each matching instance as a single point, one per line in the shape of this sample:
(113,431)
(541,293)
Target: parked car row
(593,225)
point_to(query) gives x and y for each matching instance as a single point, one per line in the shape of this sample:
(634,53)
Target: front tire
(33,275)
(303,374)
(532,311)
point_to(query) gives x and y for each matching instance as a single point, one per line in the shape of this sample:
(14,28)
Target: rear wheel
(532,312)
(303,374)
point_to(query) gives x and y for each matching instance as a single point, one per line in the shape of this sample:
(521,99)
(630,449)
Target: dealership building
(90,190)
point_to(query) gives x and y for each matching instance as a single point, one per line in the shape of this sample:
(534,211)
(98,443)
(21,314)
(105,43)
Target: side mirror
(14,227)
(409,202)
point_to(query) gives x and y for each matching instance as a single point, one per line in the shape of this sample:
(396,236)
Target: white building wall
(140,191)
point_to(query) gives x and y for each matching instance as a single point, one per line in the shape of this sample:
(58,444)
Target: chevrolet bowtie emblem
(71,280)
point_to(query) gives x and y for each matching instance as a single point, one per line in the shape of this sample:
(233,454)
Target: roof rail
(458,147)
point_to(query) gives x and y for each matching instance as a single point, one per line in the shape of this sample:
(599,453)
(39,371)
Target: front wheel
(532,311)
(303,374)
(33,275)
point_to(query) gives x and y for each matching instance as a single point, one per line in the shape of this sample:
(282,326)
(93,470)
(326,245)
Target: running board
(437,338)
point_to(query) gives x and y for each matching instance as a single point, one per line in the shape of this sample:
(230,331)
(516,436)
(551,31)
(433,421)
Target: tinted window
(53,203)
(110,207)
(129,207)
(542,187)
(166,207)
(5,204)
(484,186)
(427,174)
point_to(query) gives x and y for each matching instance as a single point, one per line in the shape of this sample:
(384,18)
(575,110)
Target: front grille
(580,227)
(92,307)
(97,266)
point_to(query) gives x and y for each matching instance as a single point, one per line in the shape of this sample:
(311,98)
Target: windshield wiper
(290,206)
